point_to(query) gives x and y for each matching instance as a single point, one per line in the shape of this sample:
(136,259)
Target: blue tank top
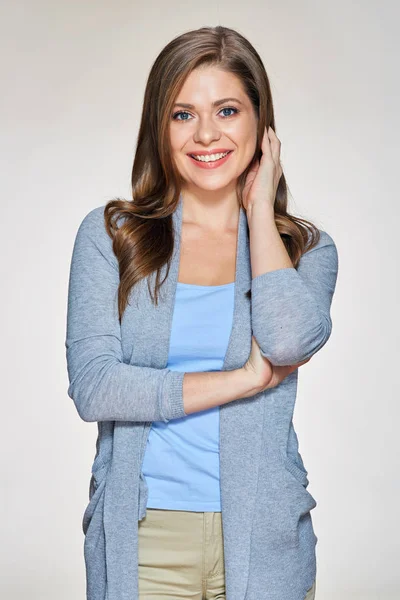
(181,461)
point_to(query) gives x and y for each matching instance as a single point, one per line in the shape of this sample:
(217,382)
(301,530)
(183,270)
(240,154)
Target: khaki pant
(181,555)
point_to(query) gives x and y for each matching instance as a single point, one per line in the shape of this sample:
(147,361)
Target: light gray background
(73,77)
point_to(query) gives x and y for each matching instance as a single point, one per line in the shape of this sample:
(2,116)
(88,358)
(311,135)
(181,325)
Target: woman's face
(203,128)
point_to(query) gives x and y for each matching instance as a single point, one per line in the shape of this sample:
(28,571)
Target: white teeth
(209,157)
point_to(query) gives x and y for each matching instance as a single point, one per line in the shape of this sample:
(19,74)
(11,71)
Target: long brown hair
(144,242)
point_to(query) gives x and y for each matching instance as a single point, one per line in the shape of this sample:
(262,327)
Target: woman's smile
(208,161)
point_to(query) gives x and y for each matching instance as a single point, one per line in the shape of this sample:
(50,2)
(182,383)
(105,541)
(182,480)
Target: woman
(190,309)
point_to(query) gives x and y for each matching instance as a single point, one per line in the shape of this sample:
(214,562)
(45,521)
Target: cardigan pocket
(99,469)
(300,500)
(296,470)
(96,488)
(93,528)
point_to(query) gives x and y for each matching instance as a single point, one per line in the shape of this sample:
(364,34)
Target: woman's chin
(209,185)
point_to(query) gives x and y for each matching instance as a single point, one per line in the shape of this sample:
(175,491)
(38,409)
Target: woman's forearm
(212,388)
(267,250)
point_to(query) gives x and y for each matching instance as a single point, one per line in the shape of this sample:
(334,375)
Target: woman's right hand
(266,375)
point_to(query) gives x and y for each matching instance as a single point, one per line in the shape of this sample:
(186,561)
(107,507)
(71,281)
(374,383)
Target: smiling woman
(198,487)
(213,133)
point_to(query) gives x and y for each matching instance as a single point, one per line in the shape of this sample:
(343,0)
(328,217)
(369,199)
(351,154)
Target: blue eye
(184,112)
(230,108)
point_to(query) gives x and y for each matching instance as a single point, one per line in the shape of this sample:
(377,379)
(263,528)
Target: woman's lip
(209,152)
(212,164)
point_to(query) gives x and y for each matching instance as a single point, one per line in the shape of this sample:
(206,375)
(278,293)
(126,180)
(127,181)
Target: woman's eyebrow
(214,104)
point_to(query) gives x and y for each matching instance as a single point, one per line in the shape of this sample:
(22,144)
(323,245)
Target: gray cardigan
(118,378)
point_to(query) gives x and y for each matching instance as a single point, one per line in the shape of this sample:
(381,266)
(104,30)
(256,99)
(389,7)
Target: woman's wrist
(249,382)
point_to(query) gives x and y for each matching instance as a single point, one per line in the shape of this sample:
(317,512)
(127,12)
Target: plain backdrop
(72,82)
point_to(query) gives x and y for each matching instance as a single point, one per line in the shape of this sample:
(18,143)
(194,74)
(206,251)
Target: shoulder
(325,241)
(93,221)
(324,252)
(92,233)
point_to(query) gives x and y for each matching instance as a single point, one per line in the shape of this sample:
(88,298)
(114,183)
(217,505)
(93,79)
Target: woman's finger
(275,147)
(265,145)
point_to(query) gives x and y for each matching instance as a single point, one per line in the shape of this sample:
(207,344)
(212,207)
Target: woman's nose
(206,131)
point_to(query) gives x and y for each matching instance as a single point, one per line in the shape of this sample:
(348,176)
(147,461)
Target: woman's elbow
(291,349)
(82,404)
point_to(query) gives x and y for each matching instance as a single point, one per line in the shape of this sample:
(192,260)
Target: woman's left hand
(263,178)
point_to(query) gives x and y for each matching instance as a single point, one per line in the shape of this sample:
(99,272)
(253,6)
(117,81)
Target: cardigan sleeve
(291,307)
(102,386)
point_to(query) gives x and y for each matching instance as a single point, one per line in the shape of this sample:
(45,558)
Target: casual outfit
(128,378)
